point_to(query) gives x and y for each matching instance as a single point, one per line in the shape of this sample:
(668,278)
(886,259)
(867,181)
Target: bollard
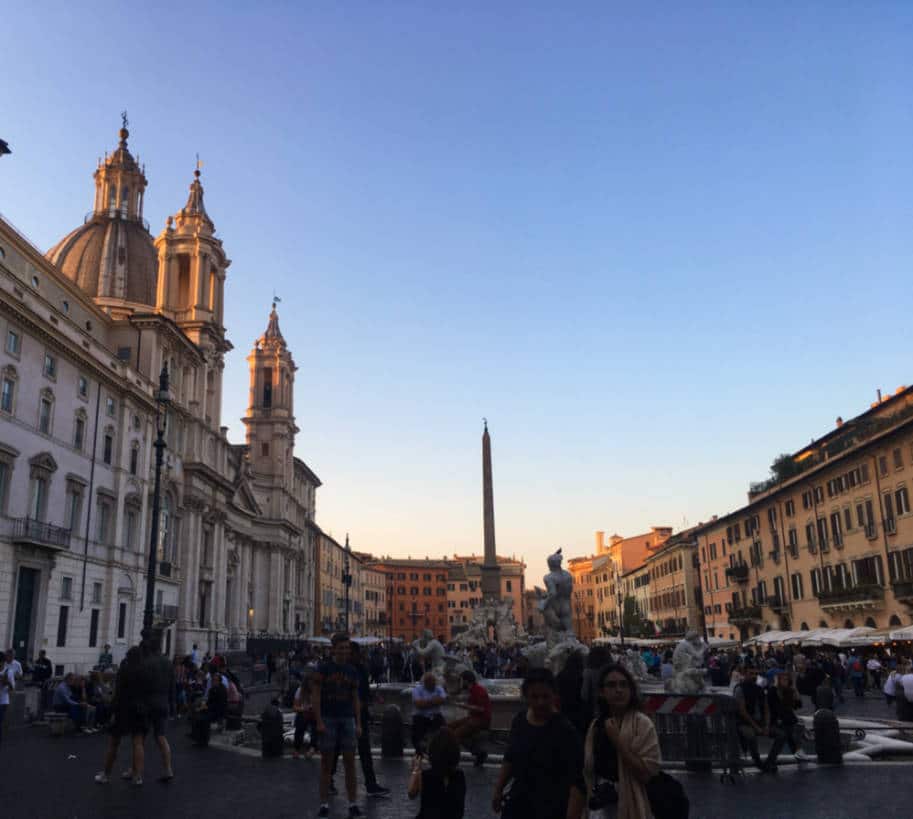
(827,737)
(391,732)
(272,731)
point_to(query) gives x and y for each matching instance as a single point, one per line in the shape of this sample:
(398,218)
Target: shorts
(339,732)
(157,720)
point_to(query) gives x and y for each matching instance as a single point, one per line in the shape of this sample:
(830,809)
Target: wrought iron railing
(38,532)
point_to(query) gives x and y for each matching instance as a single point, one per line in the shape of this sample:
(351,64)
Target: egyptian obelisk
(491,571)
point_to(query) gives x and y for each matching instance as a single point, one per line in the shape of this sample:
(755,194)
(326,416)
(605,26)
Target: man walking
(365,697)
(338,713)
(158,694)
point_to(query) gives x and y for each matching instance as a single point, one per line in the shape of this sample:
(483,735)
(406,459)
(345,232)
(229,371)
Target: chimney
(878,391)
(839,422)
(600,542)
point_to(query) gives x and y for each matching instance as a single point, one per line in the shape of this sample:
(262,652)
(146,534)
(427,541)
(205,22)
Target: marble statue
(688,665)
(430,653)
(560,641)
(492,622)
(634,662)
(556,605)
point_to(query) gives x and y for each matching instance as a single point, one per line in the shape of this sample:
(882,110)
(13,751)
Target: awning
(873,636)
(905,633)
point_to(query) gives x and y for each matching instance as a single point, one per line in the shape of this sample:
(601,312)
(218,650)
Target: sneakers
(802,757)
(136,781)
(102,778)
(323,812)
(355,812)
(128,774)
(377,791)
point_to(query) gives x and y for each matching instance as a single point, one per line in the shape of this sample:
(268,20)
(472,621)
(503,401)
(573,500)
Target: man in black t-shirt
(337,710)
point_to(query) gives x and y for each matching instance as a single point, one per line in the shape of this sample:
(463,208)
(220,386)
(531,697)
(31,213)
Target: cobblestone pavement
(51,778)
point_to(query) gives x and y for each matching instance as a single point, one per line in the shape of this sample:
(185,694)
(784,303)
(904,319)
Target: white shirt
(873,664)
(17,668)
(890,684)
(906,681)
(10,677)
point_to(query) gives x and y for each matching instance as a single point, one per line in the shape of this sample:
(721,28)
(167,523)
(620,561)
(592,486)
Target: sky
(655,245)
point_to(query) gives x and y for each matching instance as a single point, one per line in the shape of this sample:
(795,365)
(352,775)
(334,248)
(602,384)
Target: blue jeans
(339,732)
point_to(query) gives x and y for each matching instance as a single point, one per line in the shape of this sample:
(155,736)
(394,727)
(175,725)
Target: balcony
(166,613)
(776,603)
(35,533)
(738,573)
(866,596)
(903,590)
(747,616)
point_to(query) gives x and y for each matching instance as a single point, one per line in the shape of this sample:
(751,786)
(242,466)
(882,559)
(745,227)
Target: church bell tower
(270,417)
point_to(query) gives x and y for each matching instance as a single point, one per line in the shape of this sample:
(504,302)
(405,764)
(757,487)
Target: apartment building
(416,596)
(826,543)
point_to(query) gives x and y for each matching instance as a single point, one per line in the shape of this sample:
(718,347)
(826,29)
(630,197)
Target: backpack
(857,666)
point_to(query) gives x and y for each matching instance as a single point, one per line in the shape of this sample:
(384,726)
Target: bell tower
(191,283)
(270,417)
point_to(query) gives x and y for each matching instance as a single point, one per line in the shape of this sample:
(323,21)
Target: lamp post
(621,606)
(347,580)
(162,399)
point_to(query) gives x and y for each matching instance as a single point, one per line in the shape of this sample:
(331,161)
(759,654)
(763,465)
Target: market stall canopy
(320,641)
(872,637)
(905,633)
(769,637)
(366,641)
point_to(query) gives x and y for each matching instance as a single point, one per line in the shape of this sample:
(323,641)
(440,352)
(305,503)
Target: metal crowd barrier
(699,731)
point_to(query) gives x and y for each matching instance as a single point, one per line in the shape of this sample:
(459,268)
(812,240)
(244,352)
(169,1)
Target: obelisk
(491,571)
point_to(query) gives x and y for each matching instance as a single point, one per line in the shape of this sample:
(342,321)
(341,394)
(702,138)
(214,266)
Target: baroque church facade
(86,330)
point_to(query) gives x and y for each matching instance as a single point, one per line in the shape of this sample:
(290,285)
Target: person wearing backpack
(857,675)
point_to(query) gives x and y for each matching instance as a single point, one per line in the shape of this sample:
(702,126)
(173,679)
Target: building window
(110,406)
(882,465)
(121,621)
(902,501)
(134,458)
(836,529)
(50,366)
(45,413)
(39,498)
(13,342)
(62,626)
(82,386)
(108,450)
(6,394)
(73,509)
(898,459)
(93,629)
(79,433)
(131,516)
(6,471)
(510,586)
(888,506)
(96,593)
(66,588)
(103,524)
(264,449)
(797,586)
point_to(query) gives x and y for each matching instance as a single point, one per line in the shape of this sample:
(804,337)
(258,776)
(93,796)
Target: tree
(784,467)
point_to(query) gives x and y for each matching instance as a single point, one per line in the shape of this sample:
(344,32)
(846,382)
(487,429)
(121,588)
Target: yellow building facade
(829,546)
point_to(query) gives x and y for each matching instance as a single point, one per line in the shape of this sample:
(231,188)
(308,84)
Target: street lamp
(621,606)
(162,399)
(347,580)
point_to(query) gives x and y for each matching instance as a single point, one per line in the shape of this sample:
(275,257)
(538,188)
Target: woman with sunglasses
(621,748)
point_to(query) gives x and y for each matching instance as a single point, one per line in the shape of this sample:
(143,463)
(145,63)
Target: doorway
(26,598)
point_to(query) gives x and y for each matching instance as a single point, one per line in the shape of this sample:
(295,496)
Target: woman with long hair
(621,748)
(442,785)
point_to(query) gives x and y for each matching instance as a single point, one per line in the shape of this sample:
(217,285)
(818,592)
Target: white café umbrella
(905,633)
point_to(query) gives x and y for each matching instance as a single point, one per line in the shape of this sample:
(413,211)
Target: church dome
(112,255)
(109,257)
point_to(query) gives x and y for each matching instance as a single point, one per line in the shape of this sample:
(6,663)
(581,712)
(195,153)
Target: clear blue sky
(655,244)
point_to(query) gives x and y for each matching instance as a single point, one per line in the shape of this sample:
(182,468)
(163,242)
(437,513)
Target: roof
(88,254)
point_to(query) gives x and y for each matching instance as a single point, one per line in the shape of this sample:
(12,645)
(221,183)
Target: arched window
(803,627)
(849,624)
(822,624)
(895,621)
(124,198)
(8,389)
(79,430)
(46,411)
(870,623)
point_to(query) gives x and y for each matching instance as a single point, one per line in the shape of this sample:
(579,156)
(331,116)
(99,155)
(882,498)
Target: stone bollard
(391,732)
(827,737)
(272,732)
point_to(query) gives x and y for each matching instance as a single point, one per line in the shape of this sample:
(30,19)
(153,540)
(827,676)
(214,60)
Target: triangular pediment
(44,461)
(245,499)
